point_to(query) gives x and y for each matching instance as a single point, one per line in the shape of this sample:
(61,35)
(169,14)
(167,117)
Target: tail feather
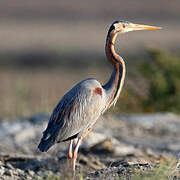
(46,144)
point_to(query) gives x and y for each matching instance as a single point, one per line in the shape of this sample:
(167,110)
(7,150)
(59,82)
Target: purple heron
(79,109)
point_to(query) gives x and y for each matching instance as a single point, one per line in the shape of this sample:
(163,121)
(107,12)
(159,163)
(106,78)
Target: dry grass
(25,92)
(167,169)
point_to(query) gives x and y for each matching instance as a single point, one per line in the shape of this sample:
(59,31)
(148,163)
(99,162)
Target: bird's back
(77,110)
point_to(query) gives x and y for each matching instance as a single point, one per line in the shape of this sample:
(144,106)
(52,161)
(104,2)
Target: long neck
(114,85)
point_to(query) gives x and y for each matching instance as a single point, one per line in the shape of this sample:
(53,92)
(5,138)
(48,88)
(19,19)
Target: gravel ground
(119,146)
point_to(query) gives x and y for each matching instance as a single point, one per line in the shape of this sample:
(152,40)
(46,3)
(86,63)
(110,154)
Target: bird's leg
(74,158)
(70,155)
(70,150)
(75,153)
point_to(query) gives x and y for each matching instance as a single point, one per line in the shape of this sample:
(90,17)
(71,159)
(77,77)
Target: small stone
(178,165)
(15,173)
(8,172)
(19,171)
(25,134)
(2,170)
(9,166)
(123,150)
(31,173)
(1,163)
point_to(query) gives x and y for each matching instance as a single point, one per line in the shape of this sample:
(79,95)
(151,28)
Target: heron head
(122,26)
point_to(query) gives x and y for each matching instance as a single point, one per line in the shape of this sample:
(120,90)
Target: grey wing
(77,110)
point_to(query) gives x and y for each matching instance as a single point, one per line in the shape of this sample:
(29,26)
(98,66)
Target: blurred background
(48,46)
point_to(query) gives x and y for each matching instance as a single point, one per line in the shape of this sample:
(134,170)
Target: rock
(1,163)
(93,163)
(92,139)
(121,170)
(31,173)
(9,166)
(2,170)
(24,134)
(124,150)
(163,121)
(174,146)
(8,172)
(98,142)
(19,171)
(21,133)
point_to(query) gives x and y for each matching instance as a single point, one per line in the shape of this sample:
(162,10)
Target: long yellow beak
(144,27)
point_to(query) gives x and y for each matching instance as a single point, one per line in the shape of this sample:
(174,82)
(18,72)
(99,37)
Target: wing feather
(76,111)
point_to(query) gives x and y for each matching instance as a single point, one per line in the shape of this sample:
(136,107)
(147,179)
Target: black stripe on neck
(119,80)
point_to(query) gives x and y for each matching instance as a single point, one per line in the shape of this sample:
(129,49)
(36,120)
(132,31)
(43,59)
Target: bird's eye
(123,25)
